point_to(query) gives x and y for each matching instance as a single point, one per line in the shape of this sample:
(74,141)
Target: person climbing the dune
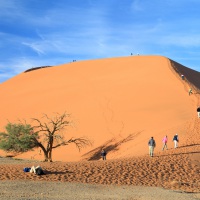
(176,140)
(152,145)
(190,91)
(164,140)
(198,112)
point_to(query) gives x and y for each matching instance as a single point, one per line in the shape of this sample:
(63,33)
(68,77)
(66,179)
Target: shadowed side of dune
(191,76)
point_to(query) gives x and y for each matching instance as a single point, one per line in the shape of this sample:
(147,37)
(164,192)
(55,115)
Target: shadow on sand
(109,146)
(56,172)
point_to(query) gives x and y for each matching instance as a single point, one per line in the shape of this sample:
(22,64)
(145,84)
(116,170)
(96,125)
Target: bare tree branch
(80,143)
(51,130)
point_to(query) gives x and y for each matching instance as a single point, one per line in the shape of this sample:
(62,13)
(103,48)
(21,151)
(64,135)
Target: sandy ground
(119,106)
(170,173)
(24,190)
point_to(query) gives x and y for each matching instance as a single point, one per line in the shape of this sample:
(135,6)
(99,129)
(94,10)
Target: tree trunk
(51,140)
(50,155)
(45,156)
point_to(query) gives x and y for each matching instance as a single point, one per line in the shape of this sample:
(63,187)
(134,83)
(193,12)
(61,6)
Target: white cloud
(36,47)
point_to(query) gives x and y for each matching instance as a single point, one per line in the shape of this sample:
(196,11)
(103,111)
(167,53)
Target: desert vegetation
(47,133)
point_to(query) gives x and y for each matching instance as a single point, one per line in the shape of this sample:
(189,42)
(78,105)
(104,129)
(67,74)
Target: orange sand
(119,103)
(170,170)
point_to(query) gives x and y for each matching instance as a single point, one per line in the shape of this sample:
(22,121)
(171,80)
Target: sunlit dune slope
(118,103)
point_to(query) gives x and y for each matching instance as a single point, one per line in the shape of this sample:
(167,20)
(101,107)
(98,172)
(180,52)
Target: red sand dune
(118,103)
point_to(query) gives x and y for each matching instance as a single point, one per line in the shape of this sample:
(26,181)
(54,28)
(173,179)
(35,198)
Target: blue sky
(37,33)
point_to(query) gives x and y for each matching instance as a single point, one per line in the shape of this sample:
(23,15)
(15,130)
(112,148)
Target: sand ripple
(168,170)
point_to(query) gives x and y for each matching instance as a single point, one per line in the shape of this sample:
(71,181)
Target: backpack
(39,171)
(27,169)
(175,138)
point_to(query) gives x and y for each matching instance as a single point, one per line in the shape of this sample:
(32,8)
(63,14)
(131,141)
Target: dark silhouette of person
(198,112)
(103,154)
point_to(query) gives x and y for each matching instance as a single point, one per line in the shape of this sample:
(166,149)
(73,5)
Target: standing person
(103,154)
(176,140)
(198,112)
(152,145)
(164,140)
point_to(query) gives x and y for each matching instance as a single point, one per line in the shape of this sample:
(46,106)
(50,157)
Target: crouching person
(37,170)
